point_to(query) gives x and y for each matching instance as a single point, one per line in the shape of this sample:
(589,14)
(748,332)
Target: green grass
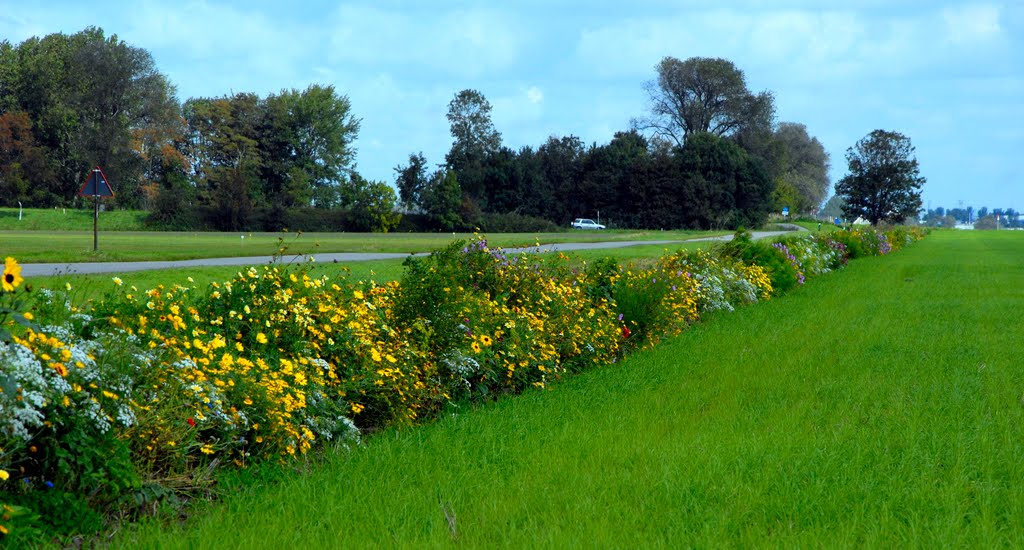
(70,219)
(896,423)
(95,286)
(76,246)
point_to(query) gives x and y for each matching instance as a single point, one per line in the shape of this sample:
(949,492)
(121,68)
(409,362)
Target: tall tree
(92,100)
(371,204)
(411,180)
(24,173)
(723,186)
(884,183)
(805,165)
(469,115)
(442,198)
(703,94)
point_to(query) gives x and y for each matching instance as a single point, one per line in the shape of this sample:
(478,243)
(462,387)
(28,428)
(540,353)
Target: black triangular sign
(96,185)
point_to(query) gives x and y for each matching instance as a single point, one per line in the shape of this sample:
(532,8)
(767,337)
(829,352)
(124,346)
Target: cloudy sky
(950,75)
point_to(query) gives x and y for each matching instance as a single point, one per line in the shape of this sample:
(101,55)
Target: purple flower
(620,316)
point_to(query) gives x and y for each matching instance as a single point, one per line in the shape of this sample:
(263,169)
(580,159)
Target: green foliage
(475,139)
(884,183)
(784,274)
(91,99)
(442,200)
(371,204)
(701,95)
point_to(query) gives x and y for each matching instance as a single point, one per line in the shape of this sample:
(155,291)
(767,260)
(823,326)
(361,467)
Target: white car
(584,223)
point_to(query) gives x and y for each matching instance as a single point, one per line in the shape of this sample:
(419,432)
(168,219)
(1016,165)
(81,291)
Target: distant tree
(833,207)
(723,186)
(442,199)
(411,180)
(561,162)
(805,165)
(982,212)
(884,183)
(92,100)
(703,94)
(371,204)
(986,222)
(610,174)
(469,116)
(25,175)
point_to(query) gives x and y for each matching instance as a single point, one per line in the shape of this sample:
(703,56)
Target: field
(95,286)
(76,246)
(878,406)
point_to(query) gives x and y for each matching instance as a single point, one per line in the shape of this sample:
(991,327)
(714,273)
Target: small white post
(19,211)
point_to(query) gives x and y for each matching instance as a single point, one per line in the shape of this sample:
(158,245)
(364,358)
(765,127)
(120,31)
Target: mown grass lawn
(76,246)
(96,285)
(878,406)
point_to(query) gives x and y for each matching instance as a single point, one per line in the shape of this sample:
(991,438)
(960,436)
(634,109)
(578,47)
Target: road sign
(96,185)
(785,210)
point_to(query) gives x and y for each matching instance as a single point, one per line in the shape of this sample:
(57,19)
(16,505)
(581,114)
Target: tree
(986,222)
(703,95)
(805,165)
(833,207)
(469,115)
(92,100)
(442,199)
(24,173)
(723,186)
(371,204)
(412,180)
(884,183)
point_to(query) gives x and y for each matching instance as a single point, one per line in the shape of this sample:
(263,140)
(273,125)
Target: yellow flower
(261,338)
(476,347)
(4,475)
(117,281)
(12,275)
(375,355)
(358,295)
(485,340)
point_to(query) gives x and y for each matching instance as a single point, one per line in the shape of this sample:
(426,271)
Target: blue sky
(948,75)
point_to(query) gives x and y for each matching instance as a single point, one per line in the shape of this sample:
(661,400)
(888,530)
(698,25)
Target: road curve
(36,270)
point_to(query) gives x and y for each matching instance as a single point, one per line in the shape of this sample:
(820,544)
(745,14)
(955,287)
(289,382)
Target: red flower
(191,422)
(626,332)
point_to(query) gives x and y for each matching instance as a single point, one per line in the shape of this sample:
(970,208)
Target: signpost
(96,186)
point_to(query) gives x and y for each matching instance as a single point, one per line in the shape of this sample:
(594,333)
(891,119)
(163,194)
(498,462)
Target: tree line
(709,153)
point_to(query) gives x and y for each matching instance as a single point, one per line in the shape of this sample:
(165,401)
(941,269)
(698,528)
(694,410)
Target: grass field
(70,219)
(94,286)
(879,406)
(76,246)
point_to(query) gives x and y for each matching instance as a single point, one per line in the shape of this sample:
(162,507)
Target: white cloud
(534,94)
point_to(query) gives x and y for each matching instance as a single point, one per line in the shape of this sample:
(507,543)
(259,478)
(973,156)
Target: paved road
(35,270)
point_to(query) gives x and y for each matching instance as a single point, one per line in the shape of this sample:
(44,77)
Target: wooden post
(95,223)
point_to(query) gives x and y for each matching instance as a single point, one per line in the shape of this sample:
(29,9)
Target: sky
(948,75)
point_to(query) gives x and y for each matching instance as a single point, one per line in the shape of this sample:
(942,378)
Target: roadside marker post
(96,186)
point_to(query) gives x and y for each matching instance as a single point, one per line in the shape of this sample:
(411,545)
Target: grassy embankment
(879,406)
